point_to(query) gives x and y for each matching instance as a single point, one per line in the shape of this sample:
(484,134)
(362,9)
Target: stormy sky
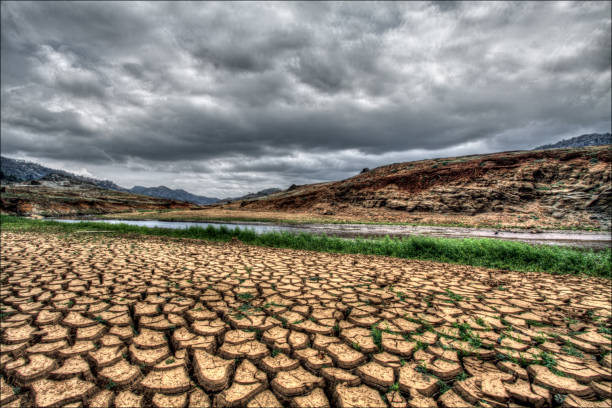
(222,99)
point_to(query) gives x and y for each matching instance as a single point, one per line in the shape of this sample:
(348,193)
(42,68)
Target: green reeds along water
(492,253)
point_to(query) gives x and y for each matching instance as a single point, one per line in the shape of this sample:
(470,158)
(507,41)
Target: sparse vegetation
(442,352)
(454,297)
(477,252)
(245,296)
(377,336)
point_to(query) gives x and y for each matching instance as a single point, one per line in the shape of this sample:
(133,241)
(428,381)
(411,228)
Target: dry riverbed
(92,320)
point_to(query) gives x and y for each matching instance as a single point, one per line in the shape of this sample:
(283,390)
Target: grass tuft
(377,336)
(492,253)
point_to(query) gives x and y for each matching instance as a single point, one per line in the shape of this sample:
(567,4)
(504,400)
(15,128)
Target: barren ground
(548,188)
(553,189)
(95,320)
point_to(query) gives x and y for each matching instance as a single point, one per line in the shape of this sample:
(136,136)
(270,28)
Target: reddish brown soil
(563,187)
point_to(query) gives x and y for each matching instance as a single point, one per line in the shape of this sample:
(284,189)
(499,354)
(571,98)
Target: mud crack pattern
(95,321)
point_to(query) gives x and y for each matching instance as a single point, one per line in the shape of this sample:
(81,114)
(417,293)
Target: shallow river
(584,239)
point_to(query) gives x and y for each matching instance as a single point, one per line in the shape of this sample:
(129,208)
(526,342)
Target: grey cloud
(207,96)
(46,122)
(85,26)
(235,53)
(321,72)
(134,69)
(447,5)
(83,88)
(238,38)
(594,54)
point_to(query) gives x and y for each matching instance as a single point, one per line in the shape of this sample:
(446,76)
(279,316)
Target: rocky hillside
(59,195)
(564,187)
(13,170)
(594,139)
(170,194)
(250,196)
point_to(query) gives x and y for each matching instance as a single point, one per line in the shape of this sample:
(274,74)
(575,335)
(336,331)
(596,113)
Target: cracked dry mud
(90,321)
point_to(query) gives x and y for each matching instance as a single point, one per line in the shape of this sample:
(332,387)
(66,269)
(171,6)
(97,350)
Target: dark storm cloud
(221,98)
(41,120)
(594,53)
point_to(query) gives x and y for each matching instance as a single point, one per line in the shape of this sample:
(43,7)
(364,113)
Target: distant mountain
(20,171)
(60,195)
(594,139)
(17,171)
(168,193)
(262,193)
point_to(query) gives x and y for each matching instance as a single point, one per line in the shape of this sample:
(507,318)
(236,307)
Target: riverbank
(576,239)
(493,253)
(235,214)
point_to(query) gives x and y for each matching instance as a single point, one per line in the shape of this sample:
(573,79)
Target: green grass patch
(605,330)
(245,296)
(454,297)
(490,253)
(376,336)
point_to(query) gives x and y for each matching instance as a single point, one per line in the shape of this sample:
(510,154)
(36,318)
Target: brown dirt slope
(564,186)
(76,199)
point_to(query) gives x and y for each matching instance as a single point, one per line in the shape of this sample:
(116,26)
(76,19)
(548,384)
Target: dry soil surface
(98,321)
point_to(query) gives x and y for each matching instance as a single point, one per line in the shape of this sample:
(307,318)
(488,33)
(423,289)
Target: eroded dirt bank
(156,322)
(563,187)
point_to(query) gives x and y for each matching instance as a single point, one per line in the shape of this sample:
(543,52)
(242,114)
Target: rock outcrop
(57,195)
(572,185)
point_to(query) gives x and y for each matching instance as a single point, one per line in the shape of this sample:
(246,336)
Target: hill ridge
(18,170)
(591,139)
(565,186)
